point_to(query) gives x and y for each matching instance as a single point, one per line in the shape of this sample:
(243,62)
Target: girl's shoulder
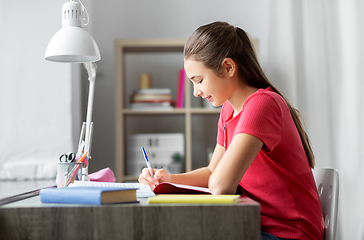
(265,92)
(268,94)
(266,98)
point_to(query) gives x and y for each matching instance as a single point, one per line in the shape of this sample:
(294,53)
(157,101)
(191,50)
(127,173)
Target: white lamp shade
(72,44)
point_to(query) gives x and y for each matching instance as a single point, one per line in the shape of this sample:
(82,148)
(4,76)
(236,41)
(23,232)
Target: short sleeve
(262,117)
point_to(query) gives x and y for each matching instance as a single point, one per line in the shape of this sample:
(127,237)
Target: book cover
(181,88)
(194,198)
(88,195)
(150,97)
(151,106)
(170,103)
(171,188)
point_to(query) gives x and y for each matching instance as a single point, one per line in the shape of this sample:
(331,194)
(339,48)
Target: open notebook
(142,190)
(145,190)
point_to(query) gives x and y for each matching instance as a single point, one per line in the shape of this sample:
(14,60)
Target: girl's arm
(199,177)
(227,173)
(224,172)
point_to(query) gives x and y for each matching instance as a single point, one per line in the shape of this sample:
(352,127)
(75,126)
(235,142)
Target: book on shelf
(151,99)
(88,195)
(181,88)
(154,101)
(150,106)
(194,198)
(154,91)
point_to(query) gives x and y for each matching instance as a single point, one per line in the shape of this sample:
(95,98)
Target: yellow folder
(194,198)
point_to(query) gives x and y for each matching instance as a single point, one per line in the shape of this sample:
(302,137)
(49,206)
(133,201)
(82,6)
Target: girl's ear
(229,67)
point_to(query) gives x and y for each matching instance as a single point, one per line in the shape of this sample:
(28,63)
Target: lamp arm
(91,70)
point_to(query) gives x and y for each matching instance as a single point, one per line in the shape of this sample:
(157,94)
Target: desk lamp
(73,44)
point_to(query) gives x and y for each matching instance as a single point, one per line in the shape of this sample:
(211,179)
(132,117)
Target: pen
(71,176)
(146,160)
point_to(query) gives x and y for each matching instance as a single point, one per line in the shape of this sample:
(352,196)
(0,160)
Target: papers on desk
(143,191)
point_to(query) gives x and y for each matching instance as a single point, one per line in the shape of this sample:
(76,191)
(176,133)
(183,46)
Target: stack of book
(152,99)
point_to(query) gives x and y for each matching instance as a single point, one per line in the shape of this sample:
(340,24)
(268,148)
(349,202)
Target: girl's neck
(239,97)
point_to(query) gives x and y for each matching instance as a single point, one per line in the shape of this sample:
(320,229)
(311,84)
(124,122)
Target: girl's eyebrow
(194,76)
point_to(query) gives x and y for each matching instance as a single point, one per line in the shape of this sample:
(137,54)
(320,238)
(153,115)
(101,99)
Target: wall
(35,94)
(115,19)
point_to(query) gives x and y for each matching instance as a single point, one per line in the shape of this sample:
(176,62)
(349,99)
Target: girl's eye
(200,81)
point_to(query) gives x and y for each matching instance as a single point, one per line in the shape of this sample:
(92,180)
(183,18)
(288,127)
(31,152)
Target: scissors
(67,158)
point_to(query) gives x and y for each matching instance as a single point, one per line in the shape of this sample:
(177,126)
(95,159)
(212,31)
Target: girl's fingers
(146,178)
(161,175)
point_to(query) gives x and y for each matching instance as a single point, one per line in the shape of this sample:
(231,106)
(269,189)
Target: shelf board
(152,112)
(174,111)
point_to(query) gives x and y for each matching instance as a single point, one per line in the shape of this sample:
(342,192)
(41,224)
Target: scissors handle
(67,158)
(71,156)
(63,158)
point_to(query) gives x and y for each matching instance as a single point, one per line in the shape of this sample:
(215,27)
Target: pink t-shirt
(280,177)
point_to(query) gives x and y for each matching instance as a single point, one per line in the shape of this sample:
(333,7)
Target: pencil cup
(67,173)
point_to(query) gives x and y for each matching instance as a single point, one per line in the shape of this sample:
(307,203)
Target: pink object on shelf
(181,88)
(104,175)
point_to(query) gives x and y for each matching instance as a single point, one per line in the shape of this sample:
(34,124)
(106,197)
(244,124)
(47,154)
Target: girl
(262,149)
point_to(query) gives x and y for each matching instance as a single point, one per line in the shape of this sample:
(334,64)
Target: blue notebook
(88,195)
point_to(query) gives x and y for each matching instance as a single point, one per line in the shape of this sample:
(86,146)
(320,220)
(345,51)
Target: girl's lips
(209,98)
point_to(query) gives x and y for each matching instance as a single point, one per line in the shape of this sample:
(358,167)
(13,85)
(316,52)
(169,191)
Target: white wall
(114,19)
(45,116)
(35,95)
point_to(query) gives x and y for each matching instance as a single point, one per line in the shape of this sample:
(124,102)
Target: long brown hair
(212,43)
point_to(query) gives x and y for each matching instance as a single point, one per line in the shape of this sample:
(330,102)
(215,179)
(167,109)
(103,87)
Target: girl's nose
(197,92)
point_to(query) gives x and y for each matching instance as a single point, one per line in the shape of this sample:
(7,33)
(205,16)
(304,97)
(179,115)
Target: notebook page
(202,189)
(142,190)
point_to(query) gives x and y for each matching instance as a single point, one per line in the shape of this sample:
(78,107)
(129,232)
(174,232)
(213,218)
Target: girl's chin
(215,104)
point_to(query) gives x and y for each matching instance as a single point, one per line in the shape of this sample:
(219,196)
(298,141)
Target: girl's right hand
(160,175)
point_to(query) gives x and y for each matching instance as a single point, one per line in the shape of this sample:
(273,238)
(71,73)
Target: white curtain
(316,57)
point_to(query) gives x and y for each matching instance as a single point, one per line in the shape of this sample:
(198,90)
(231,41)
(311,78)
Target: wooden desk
(31,219)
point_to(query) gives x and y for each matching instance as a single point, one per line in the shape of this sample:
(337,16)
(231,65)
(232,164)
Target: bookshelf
(125,83)
(162,58)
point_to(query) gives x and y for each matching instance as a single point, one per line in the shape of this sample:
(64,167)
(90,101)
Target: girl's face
(206,84)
